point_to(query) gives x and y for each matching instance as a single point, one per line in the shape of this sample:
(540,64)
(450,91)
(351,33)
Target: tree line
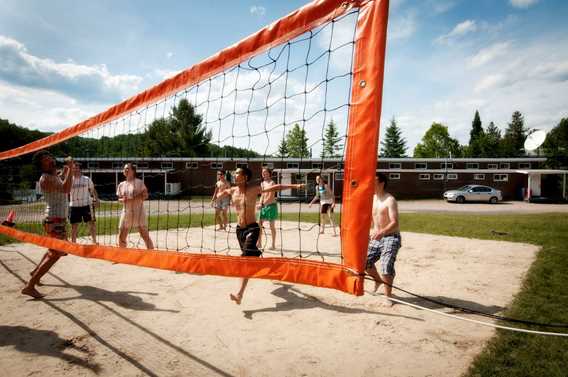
(483,142)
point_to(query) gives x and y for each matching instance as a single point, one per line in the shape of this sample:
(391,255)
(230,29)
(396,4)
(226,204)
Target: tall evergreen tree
(515,134)
(492,141)
(394,144)
(297,142)
(476,137)
(283,149)
(437,143)
(331,141)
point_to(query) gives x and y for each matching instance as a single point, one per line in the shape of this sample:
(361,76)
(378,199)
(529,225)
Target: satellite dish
(535,140)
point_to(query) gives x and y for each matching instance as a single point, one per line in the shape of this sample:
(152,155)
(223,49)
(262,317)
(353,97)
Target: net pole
(363,131)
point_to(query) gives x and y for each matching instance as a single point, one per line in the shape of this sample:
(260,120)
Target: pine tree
(297,142)
(331,141)
(476,137)
(283,149)
(492,142)
(515,134)
(394,144)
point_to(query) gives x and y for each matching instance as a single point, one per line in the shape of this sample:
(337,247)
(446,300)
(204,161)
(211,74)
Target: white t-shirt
(81,192)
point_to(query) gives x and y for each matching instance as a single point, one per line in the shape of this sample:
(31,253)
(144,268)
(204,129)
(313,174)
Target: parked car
(474,193)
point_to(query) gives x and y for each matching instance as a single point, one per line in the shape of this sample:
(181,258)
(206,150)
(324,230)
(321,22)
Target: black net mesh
(285,109)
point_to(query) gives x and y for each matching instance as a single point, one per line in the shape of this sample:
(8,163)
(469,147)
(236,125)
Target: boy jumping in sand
(55,191)
(384,238)
(243,196)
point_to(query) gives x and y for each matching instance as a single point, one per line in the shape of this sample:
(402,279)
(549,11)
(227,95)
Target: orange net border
(359,170)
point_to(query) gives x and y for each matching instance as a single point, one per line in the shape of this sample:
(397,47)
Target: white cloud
(258,10)
(461,29)
(488,54)
(402,27)
(530,76)
(522,3)
(94,83)
(441,6)
(42,109)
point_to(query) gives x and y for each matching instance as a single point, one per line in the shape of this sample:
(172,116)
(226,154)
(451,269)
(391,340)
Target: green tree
(476,137)
(179,135)
(555,145)
(437,142)
(297,142)
(331,141)
(283,149)
(492,141)
(514,139)
(394,144)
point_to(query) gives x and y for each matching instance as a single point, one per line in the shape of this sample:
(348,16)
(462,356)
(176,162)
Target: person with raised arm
(243,197)
(55,190)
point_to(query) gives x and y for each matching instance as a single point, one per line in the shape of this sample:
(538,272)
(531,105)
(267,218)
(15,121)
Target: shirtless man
(268,208)
(243,196)
(55,190)
(384,238)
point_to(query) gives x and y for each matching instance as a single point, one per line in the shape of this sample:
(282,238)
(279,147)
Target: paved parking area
(503,207)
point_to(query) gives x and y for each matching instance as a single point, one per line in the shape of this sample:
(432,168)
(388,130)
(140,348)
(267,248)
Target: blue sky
(63,61)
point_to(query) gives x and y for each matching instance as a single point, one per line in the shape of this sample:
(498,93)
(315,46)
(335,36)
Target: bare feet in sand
(31,291)
(387,302)
(236,298)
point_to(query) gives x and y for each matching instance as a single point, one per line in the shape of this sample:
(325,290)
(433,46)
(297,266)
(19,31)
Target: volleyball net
(300,98)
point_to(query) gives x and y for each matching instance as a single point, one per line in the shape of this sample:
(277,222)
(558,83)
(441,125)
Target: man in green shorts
(268,207)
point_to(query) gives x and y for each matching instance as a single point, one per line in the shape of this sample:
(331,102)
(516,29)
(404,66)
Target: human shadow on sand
(124,299)
(441,300)
(45,343)
(296,300)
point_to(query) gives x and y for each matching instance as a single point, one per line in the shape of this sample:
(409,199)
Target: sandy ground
(120,320)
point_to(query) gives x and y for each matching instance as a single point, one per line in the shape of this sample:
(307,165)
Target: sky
(62,62)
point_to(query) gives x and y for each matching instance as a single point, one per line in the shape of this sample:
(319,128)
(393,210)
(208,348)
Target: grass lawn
(544,295)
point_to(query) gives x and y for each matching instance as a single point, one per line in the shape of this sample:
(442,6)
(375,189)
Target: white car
(474,193)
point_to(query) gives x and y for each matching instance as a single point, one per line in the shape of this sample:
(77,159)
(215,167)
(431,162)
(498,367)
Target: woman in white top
(132,193)
(327,203)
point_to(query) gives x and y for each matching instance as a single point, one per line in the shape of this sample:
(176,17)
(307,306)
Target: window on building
(216,165)
(242,165)
(472,165)
(192,165)
(293,165)
(117,164)
(505,165)
(317,165)
(500,177)
(167,165)
(142,165)
(479,177)
(492,166)
(395,165)
(446,165)
(420,165)
(438,177)
(268,165)
(452,176)
(524,165)
(92,164)
(339,176)
(424,177)
(394,176)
